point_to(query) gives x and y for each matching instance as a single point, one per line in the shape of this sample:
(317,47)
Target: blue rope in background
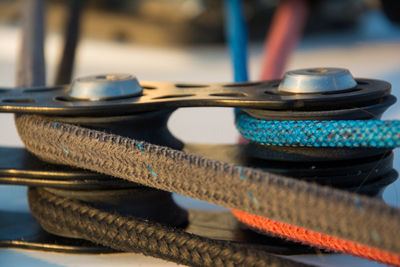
(236,33)
(342,133)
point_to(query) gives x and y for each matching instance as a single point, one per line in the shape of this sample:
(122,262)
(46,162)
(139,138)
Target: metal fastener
(103,87)
(317,80)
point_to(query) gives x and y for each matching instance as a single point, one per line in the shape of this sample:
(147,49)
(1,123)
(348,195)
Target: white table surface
(372,50)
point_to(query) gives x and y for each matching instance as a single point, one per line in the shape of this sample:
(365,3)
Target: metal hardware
(168,95)
(317,80)
(105,87)
(373,171)
(19,167)
(372,111)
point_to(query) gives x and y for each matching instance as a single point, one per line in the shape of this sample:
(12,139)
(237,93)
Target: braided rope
(253,191)
(343,133)
(136,235)
(315,239)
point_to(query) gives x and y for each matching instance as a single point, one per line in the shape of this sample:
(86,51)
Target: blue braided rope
(343,133)
(236,33)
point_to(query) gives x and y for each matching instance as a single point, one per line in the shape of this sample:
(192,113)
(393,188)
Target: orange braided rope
(315,239)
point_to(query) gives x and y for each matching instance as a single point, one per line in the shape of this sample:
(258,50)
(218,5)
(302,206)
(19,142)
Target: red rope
(284,34)
(315,239)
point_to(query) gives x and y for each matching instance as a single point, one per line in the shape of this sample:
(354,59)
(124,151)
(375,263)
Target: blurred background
(191,22)
(185,40)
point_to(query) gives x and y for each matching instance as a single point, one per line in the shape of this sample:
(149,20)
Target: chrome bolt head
(317,80)
(103,87)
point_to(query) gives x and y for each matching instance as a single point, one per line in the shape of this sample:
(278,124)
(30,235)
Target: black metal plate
(167,95)
(19,167)
(373,111)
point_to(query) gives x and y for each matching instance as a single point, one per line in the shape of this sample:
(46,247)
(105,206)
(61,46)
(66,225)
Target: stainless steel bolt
(108,86)
(317,80)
